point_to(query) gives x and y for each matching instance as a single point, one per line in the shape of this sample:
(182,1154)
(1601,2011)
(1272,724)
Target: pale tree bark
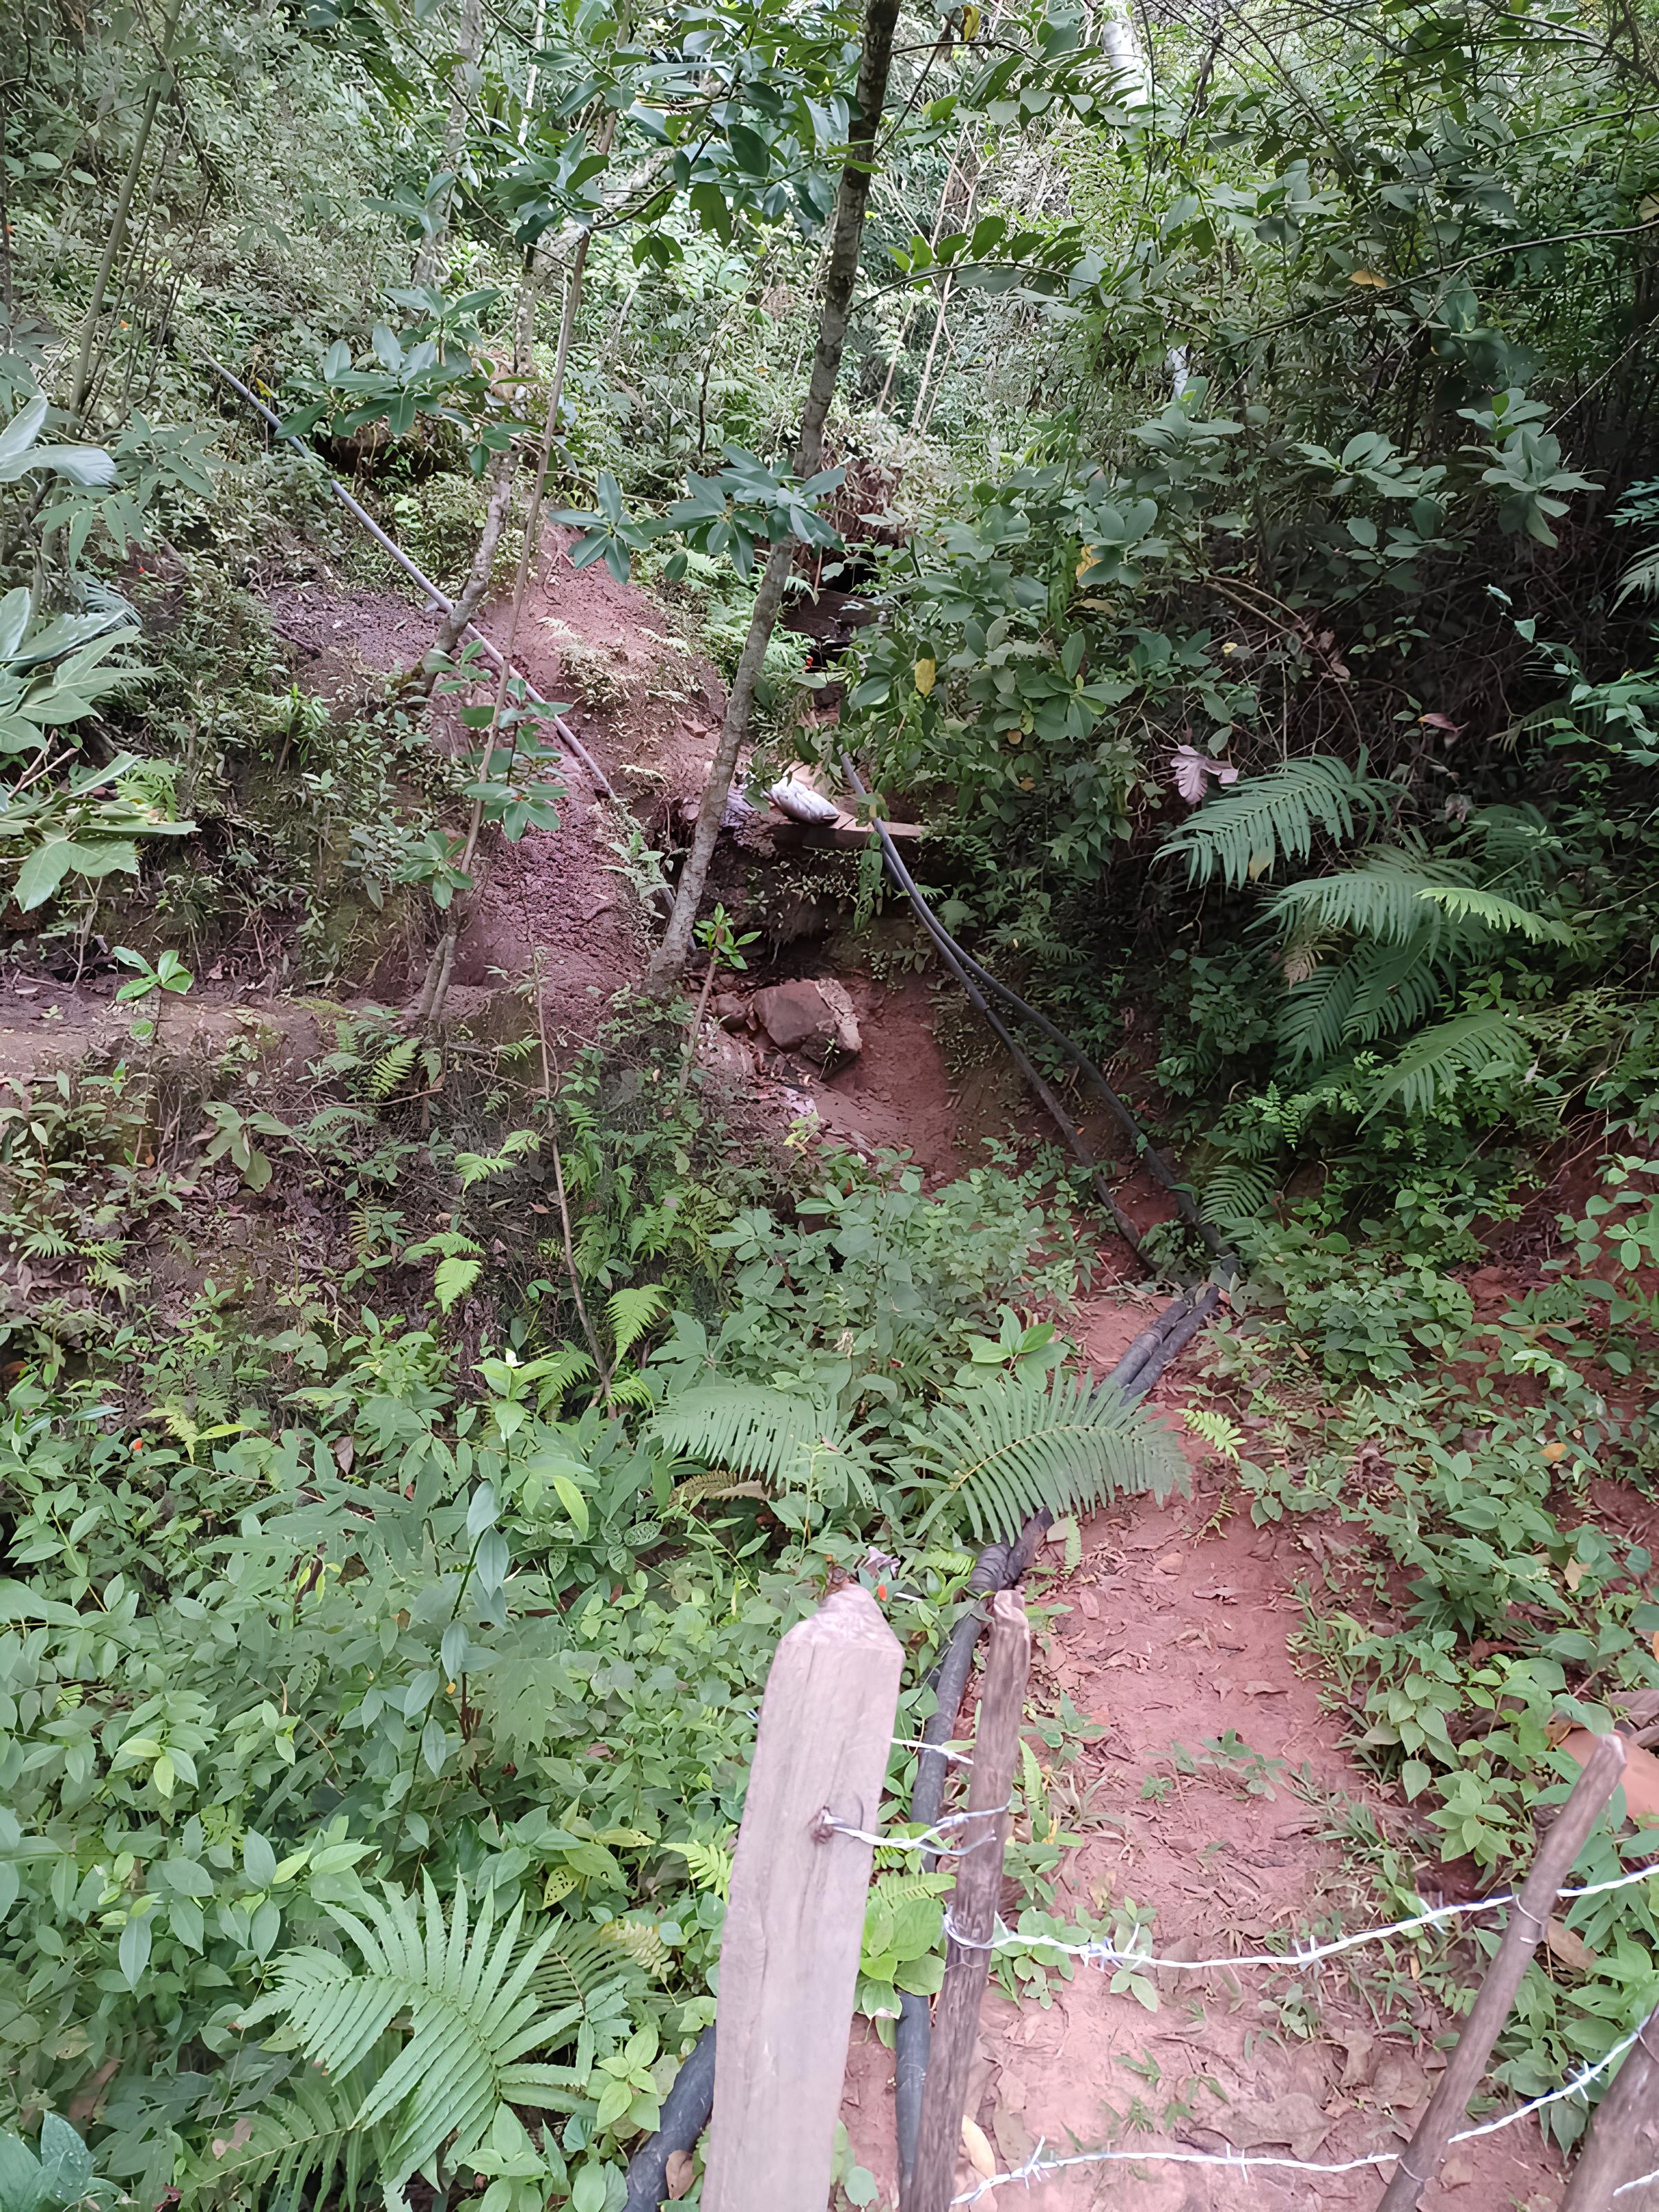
(503,469)
(841,274)
(429,254)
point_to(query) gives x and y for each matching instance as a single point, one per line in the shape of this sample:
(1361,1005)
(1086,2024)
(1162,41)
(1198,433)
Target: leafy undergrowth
(1477,1499)
(379,1661)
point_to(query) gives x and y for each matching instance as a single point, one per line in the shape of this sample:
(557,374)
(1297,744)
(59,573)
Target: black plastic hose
(685,2112)
(1145,1150)
(999,1567)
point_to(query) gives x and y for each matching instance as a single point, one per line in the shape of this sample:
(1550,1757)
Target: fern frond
(471,2015)
(392,1070)
(1490,911)
(1394,987)
(1016,1444)
(1378,990)
(1313,1021)
(743,1425)
(304,2146)
(709,1865)
(1243,833)
(637,1940)
(631,1311)
(702,1489)
(1641,577)
(556,1372)
(1237,1194)
(1432,1064)
(581,1964)
(1224,1438)
(1382,898)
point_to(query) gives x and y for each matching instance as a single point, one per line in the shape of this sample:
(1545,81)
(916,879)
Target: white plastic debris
(802,803)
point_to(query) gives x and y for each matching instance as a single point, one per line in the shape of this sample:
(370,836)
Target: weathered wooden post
(1603,1772)
(982,1836)
(1623,2145)
(793,1928)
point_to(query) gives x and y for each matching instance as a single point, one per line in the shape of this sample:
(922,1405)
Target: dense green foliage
(420,1429)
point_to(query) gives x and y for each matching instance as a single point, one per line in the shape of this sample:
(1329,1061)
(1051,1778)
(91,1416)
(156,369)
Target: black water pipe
(1134,1374)
(684,2116)
(1145,1150)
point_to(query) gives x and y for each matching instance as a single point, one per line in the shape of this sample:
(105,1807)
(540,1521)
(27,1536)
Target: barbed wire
(920,1743)
(1100,1952)
(934,1840)
(1036,2168)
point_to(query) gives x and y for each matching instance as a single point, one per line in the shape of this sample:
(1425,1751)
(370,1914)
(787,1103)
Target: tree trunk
(443,960)
(117,223)
(503,468)
(841,274)
(429,254)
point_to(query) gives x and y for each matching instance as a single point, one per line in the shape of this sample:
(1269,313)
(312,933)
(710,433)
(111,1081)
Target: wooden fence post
(1603,1772)
(1623,2136)
(973,1905)
(794,1925)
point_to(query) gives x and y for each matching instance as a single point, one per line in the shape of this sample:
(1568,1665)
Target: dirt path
(1174,1631)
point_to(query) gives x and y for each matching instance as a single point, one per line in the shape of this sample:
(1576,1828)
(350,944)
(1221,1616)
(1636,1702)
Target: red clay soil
(1173,1631)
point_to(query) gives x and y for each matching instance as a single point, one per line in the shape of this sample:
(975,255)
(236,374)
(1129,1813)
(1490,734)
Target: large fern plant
(993,1454)
(1375,949)
(984,1458)
(1241,834)
(422,2039)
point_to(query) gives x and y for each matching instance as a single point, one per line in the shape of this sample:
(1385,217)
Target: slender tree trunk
(937,232)
(118,227)
(429,254)
(841,274)
(443,960)
(923,413)
(503,469)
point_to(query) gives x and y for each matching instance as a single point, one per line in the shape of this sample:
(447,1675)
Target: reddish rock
(814,1016)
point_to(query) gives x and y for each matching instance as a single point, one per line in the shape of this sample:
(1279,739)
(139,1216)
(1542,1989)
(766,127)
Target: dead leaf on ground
(1014,2139)
(1171,1562)
(1264,1690)
(1010,2091)
(977,2144)
(1641,1784)
(1294,2119)
(680,2172)
(1571,1950)
(1361,2047)
(1398,2082)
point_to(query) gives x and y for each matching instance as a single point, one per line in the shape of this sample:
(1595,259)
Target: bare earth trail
(1173,1631)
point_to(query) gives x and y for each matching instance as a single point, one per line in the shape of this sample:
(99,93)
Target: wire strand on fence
(1100,1953)
(930,1839)
(920,1743)
(1036,2168)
